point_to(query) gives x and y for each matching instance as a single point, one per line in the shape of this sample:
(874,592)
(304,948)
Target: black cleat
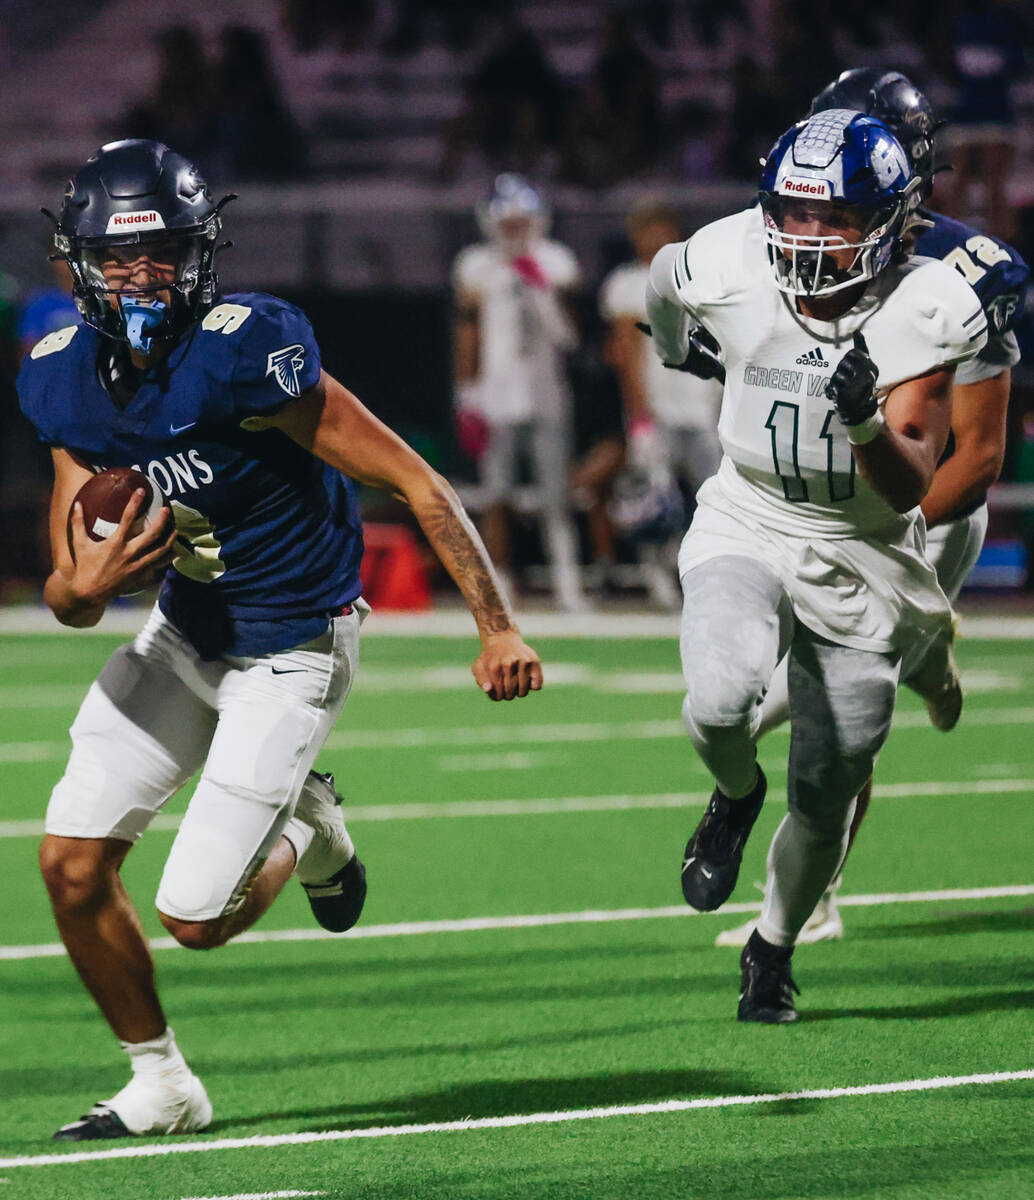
(766,987)
(712,860)
(338,903)
(97,1124)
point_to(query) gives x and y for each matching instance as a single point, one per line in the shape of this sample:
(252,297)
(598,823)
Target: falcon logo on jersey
(814,358)
(286,365)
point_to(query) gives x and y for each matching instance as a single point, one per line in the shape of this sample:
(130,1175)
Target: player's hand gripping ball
(104,499)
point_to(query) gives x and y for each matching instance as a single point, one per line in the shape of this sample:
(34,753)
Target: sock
(158,1056)
(765,951)
(801,864)
(299,835)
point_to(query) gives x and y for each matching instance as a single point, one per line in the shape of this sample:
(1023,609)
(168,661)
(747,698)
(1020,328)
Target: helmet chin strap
(142,322)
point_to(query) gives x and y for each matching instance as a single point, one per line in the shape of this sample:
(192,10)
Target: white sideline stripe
(457,622)
(512,1122)
(543,920)
(489,735)
(554,805)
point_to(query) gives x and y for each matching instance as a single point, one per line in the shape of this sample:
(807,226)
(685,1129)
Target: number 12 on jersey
(784,422)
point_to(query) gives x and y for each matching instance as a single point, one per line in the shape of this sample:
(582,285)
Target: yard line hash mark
(517,1120)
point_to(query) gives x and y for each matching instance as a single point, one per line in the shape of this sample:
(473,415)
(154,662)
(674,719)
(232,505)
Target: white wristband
(865,431)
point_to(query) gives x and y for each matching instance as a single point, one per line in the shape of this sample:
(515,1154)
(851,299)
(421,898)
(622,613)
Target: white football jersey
(676,398)
(522,329)
(787,458)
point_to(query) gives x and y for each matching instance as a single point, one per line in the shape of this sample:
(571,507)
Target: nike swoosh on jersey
(288,670)
(174,429)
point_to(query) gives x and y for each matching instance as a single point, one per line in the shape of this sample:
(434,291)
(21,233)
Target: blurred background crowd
(365,137)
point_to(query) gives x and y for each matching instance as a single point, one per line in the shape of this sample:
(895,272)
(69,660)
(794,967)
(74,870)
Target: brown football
(104,499)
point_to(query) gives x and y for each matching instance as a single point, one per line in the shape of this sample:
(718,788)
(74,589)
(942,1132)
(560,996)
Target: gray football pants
(737,623)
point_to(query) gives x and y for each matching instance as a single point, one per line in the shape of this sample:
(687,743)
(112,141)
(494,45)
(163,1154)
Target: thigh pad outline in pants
(737,622)
(139,735)
(269,732)
(841,705)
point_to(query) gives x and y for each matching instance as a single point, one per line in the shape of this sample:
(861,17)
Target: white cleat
(938,684)
(824,925)
(153,1105)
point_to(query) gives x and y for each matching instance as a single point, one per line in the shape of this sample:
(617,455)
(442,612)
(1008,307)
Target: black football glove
(852,386)
(703,359)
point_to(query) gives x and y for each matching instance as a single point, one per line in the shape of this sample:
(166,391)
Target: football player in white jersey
(512,330)
(955,508)
(839,354)
(671,416)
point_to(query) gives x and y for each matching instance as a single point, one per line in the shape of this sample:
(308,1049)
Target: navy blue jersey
(994,270)
(270,539)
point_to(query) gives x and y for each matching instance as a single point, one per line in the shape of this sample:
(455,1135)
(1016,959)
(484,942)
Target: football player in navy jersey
(251,651)
(955,507)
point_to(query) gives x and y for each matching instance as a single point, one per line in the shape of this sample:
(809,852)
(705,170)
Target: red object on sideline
(393,571)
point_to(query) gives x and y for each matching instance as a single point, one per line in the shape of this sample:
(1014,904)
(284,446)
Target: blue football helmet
(512,198)
(838,167)
(136,197)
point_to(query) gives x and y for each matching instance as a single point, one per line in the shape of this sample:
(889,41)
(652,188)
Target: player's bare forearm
(899,467)
(456,542)
(900,461)
(978,422)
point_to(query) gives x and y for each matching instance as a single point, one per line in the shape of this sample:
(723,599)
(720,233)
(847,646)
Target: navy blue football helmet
(133,198)
(895,100)
(845,168)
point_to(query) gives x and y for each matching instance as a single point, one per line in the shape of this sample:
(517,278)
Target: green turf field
(406,1062)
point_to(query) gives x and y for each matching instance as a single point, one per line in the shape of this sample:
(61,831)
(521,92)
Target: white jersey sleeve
(1001,353)
(623,293)
(469,270)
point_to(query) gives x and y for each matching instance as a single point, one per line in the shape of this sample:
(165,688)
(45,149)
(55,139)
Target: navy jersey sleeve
(48,382)
(993,269)
(277,356)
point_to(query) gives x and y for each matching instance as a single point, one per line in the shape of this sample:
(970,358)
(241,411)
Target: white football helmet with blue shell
(513,201)
(853,170)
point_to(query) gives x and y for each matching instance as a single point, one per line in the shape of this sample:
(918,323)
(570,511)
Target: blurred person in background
(514,324)
(671,417)
(986,60)
(513,108)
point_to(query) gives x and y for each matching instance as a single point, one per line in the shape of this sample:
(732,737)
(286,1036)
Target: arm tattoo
(457,543)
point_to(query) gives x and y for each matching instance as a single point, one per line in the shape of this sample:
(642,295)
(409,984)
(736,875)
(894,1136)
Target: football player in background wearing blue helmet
(514,323)
(251,651)
(839,355)
(955,507)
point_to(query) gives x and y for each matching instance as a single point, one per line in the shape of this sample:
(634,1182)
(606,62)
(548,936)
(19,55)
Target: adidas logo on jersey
(814,358)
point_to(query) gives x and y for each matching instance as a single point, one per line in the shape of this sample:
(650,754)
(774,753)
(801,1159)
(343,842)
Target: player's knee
(77,878)
(195,935)
(729,705)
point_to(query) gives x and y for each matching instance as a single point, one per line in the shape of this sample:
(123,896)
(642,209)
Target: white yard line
(554,805)
(257,1196)
(544,920)
(436,737)
(663,1107)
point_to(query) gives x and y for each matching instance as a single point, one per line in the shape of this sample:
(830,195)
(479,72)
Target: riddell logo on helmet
(149,219)
(818,188)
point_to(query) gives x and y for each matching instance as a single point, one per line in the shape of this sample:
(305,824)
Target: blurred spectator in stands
(514,103)
(458,21)
(316,24)
(48,309)
(759,105)
(513,326)
(671,417)
(616,123)
(262,137)
(181,110)
(987,59)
